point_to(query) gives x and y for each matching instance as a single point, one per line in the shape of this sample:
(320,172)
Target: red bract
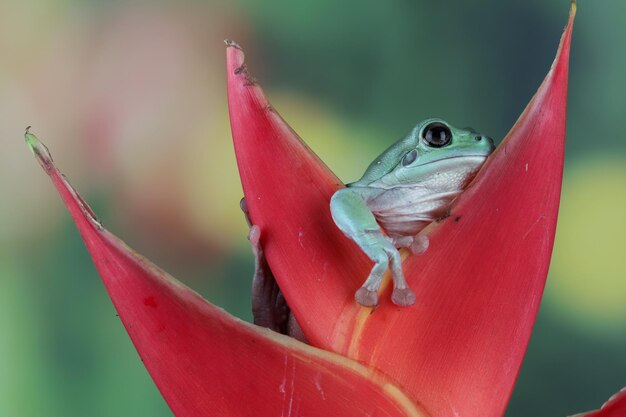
(208,363)
(456,352)
(614,407)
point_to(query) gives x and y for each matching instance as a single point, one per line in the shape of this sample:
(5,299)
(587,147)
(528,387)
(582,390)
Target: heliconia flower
(456,352)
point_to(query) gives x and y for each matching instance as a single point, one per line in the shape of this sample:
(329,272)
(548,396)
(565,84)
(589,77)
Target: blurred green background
(131,99)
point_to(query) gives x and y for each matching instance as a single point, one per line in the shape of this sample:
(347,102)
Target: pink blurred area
(130,99)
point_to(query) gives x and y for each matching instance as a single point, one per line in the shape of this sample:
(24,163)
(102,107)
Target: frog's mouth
(467,160)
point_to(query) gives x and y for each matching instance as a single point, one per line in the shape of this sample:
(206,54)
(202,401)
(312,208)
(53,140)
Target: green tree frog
(408,186)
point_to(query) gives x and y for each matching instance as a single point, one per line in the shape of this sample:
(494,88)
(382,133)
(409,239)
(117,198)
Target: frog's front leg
(354,218)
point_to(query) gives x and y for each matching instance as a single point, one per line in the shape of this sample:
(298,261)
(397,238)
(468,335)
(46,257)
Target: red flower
(456,352)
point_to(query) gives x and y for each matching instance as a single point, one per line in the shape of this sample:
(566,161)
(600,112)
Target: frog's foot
(403,297)
(402,241)
(416,244)
(365,297)
(387,257)
(419,245)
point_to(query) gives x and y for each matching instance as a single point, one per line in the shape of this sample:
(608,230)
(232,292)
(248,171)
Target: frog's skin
(408,186)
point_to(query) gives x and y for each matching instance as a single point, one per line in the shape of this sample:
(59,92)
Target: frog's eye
(409,158)
(437,135)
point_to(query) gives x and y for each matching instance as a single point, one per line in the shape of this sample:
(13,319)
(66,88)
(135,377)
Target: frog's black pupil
(437,135)
(409,158)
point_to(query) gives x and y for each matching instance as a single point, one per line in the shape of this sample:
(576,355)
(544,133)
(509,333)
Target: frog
(411,184)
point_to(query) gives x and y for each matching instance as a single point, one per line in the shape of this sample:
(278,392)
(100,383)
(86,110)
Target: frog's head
(433,146)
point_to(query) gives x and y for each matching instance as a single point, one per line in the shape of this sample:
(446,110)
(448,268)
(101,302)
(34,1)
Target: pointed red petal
(459,349)
(614,407)
(288,191)
(208,363)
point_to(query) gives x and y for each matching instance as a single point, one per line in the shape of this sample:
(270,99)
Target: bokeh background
(131,99)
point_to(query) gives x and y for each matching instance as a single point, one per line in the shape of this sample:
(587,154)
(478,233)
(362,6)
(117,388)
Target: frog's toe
(365,297)
(403,297)
(419,245)
(254,236)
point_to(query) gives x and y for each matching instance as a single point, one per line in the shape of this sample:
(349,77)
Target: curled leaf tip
(40,150)
(68,193)
(230,42)
(573,8)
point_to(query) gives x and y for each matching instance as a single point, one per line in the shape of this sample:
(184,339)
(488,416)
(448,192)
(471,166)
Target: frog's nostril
(485,140)
(490,142)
